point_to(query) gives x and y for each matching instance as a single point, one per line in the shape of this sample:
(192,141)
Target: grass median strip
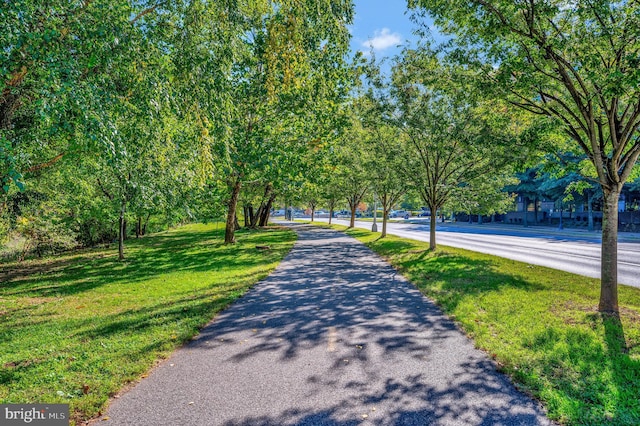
(540,325)
(77,328)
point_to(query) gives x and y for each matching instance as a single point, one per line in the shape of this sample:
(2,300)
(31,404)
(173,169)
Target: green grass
(540,325)
(77,328)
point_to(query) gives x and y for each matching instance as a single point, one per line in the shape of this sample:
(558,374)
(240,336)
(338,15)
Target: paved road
(574,252)
(332,337)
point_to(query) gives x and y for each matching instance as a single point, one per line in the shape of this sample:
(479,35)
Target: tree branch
(46,164)
(146,12)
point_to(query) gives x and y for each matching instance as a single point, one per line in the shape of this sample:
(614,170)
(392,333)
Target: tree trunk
(139,227)
(332,208)
(590,210)
(385,213)
(313,211)
(479,219)
(254,216)
(229,234)
(122,228)
(470,218)
(352,222)
(432,228)
(535,210)
(526,211)
(245,213)
(144,225)
(609,255)
(266,213)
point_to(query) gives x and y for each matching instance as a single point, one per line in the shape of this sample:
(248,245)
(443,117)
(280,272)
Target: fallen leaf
(105,418)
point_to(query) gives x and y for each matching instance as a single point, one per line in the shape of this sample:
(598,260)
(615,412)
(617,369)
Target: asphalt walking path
(332,337)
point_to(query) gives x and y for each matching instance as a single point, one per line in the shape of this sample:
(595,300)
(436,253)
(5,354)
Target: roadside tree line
(120,113)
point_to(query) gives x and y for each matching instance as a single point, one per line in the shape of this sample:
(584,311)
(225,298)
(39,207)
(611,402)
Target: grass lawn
(78,327)
(539,324)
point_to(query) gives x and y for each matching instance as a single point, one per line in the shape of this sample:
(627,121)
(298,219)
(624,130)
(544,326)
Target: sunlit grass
(540,325)
(76,328)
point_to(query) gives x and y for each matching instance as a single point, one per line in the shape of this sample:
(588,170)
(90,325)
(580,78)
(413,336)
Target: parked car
(400,213)
(342,213)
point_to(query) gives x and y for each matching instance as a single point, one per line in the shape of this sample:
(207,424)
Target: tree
(573,62)
(452,137)
(384,161)
(351,174)
(96,84)
(528,187)
(291,62)
(483,197)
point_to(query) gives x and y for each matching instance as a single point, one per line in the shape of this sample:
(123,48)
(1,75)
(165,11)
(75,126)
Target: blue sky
(383,24)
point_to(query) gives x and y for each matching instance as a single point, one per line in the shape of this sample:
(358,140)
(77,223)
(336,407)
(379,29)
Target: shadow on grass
(580,368)
(447,277)
(586,374)
(114,341)
(146,258)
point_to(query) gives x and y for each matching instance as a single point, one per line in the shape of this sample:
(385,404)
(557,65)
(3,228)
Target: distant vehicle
(342,213)
(278,213)
(321,213)
(400,213)
(424,213)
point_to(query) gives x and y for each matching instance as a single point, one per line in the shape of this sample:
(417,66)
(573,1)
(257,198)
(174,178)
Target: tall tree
(384,161)
(452,138)
(574,62)
(292,61)
(351,173)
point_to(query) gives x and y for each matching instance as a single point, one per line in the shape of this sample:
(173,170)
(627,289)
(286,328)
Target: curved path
(332,337)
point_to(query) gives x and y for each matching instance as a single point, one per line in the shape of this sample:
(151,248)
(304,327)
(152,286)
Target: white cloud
(383,39)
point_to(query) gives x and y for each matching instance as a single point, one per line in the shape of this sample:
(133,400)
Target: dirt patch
(566,311)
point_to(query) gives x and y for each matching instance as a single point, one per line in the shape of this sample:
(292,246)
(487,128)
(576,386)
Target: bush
(43,236)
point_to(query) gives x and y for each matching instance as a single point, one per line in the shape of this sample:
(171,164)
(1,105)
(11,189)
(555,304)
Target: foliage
(572,62)
(385,154)
(482,196)
(352,178)
(453,136)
